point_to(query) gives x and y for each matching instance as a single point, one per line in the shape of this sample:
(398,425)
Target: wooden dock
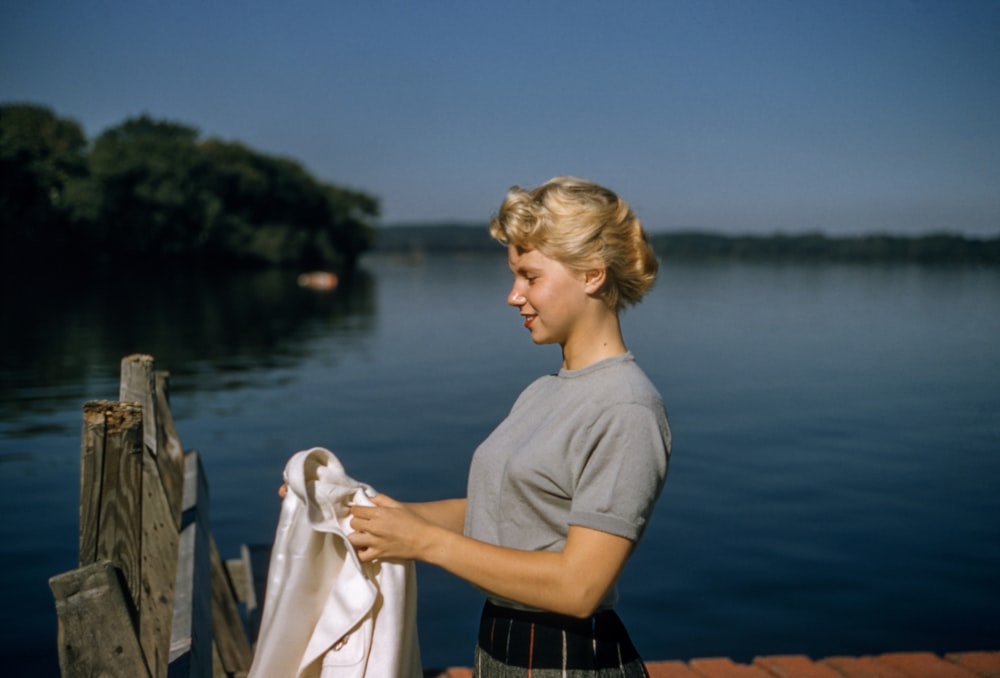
(153,598)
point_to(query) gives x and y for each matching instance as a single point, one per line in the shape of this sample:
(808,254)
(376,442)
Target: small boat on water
(319,280)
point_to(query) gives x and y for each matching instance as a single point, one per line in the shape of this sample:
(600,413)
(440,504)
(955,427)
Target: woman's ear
(593,279)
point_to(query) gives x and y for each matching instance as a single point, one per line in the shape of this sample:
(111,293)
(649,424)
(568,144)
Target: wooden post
(191,636)
(252,569)
(160,538)
(230,635)
(111,489)
(169,452)
(142,384)
(160,506)
(138,385)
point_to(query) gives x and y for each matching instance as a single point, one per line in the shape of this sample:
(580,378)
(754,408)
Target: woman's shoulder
(619,379)
(615,380)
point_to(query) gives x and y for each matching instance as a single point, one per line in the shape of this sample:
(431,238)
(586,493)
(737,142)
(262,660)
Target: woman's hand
(571,581)
(389,530)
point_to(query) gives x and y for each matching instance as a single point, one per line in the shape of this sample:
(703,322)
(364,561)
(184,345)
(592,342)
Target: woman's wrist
(438,544)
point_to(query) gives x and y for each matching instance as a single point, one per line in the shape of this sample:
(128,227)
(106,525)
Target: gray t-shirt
(585,447)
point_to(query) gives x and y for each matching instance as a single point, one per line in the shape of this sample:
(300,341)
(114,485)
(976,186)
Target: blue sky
(739,116)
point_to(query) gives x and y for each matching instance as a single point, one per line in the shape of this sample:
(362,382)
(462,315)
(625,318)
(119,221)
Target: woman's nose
(515,298)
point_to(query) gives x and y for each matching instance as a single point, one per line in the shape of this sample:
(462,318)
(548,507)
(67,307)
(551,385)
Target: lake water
(835,485)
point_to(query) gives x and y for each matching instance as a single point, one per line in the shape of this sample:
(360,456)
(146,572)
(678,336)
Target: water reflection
(60,332)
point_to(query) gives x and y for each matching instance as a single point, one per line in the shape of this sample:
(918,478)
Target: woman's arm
(447,513)
(572,581)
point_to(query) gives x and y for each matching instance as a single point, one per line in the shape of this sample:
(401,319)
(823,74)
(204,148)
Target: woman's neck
(593,343)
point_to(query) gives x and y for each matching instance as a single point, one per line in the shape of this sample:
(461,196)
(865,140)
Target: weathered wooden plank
(141,383)
(170,454)
(257,559)
(160,546)
(191,635)
(96,634)
(138,385)
(218,666)
(227,625)
(237,573)
(248,576)
(111,525)
(91,473)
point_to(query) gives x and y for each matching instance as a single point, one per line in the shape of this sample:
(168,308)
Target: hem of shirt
(605,523)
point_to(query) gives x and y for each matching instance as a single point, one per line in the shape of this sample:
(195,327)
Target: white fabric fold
(325,613)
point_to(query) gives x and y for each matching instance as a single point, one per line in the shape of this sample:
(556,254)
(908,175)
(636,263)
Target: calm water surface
(834,486)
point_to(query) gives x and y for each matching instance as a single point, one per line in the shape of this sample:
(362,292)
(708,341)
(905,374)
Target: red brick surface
(863,667)
(925,665)
(722,667)
(795,666)
(985,664)
(674,669)
(893,665)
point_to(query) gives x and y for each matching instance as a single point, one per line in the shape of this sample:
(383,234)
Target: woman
(560,493)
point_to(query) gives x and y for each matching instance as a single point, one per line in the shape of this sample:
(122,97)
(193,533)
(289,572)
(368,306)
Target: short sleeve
(623,472)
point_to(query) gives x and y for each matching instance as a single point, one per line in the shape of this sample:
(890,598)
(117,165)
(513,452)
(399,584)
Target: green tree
(150,189)
(270,209)
(41,155)
(350,229)
(143,196)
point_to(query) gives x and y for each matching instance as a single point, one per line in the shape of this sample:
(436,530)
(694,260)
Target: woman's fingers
(364,512)
(386,530)
(385,500)
(360,540)
(365,546)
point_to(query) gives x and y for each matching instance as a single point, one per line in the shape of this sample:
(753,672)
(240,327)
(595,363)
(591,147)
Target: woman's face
(549,295)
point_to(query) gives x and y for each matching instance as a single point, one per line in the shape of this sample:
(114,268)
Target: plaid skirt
(515,643)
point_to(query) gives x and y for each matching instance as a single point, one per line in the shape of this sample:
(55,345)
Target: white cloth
(325,613)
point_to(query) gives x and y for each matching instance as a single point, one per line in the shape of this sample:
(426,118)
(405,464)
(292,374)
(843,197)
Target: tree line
(934,248)
(149,190)
(152,191)
(939,248)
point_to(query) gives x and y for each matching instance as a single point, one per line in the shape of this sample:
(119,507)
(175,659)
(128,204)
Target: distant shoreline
(935,248)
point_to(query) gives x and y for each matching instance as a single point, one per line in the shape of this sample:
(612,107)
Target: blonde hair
(580,224)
